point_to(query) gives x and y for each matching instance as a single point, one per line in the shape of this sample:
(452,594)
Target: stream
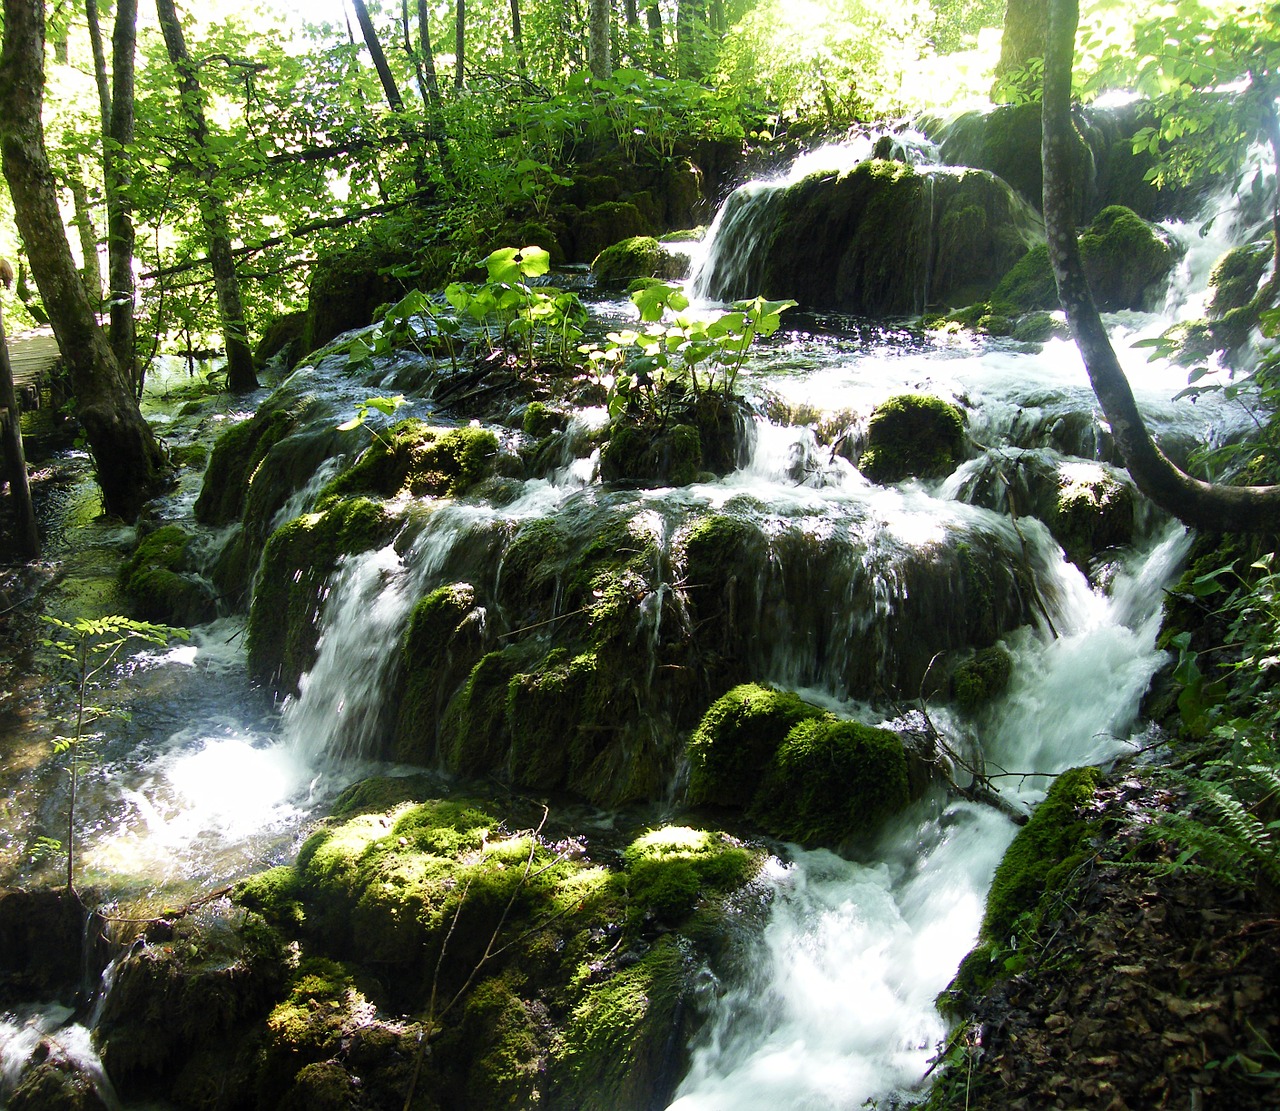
(827,1001)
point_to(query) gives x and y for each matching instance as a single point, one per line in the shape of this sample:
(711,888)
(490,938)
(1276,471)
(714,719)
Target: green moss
(380,794)
(983,677)
(832,780)
(640,256)
(1126,259)
(413,457)
(642,456)
(736,740)
(558,717)
(237,454)
(276,894)
(1093,511)
(161,583)
(296,564)
(671,868)
(1030,284)
(1037,327)
(1036,866)
(505,1047)
(194,455)
(1236,276)
(615,1050)
(474,737)
(913,434)
(439,648)
(539,421)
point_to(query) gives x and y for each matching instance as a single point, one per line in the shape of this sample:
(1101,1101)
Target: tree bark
(601,12)
(131,466)
(91,270)
(517,39)
(460,43)
(653,14)
(1023,37)
(27,534)
(389,87)
(241,376)
(1196,503)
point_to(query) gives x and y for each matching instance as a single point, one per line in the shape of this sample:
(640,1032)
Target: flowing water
(827,999)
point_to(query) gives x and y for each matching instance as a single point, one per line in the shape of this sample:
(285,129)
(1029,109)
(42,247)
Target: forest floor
(1150,988)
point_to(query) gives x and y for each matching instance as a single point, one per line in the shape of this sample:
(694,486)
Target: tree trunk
(653,13)
(131,467)
(240,373)
(691,33)
(431,91)
(91,269)
(517,39)
(1023,38)
(1199,504)
(389,86)
(460,44)
(601,12)
(27,535)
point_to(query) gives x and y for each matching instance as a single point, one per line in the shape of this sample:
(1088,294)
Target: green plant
(699,354)
(85,648)
(387,406)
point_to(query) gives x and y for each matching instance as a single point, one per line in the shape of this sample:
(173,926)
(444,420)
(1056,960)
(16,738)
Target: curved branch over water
(1200,504)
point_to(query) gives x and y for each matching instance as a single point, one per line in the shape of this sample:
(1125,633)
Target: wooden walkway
(33,355)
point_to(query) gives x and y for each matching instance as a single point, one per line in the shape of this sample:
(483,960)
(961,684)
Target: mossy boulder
(282,340)
(640,455)
(882,239)
(237,455)
(162,582)
(672,868)
(623,1045)
(1095,509)
(913,435)
(56,1083)
(638,257)
(831,781)
(296,565)
(1041,861)
(608,222)
(184,984)
(982,677)
(441,645)
(1127,261)
(414,458)
(735,742)
(1236,276)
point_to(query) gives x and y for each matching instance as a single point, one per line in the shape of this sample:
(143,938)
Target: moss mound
(913,435)
(641,256)
(237,455)
(414,458)
(296,565)
(1094,510)
(736,740)
(670,869)
(980,679)
(1037,865)
(642,456)
(161,581)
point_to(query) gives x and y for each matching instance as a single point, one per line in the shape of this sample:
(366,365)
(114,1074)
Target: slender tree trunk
(691,34)
(517,39)
(653,13)
(91,270)
(99,62)
(27,535)
(131,467)
(1200,504)
(460,44)
(389,86)
(240,373)
(601,26)
(431,91)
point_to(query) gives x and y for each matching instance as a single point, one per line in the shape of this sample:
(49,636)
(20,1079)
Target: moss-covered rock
(56,1083)
(881,239)
(414,458)
(443,642)
(638,257)
(642,456)
(1039,862)
(672,868)
(982,677)
(296,564)
(282,340)
(1127,261)
(736,740)
(237,454)
(505,1046)
(1094,510)
(913,435)
(623,1046)
(184,984)
(161,581)
(831,781)
(608,222)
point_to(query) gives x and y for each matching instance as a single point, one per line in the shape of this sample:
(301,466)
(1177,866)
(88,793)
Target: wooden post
(28,537)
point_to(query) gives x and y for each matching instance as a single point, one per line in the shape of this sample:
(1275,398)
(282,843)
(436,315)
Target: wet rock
(282,340)
(639,257)
(42,939)
(161,581)
(57,1083)
(982,677)
(913,435)
(1094,509)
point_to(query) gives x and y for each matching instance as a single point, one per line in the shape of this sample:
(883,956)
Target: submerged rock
(162,583)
